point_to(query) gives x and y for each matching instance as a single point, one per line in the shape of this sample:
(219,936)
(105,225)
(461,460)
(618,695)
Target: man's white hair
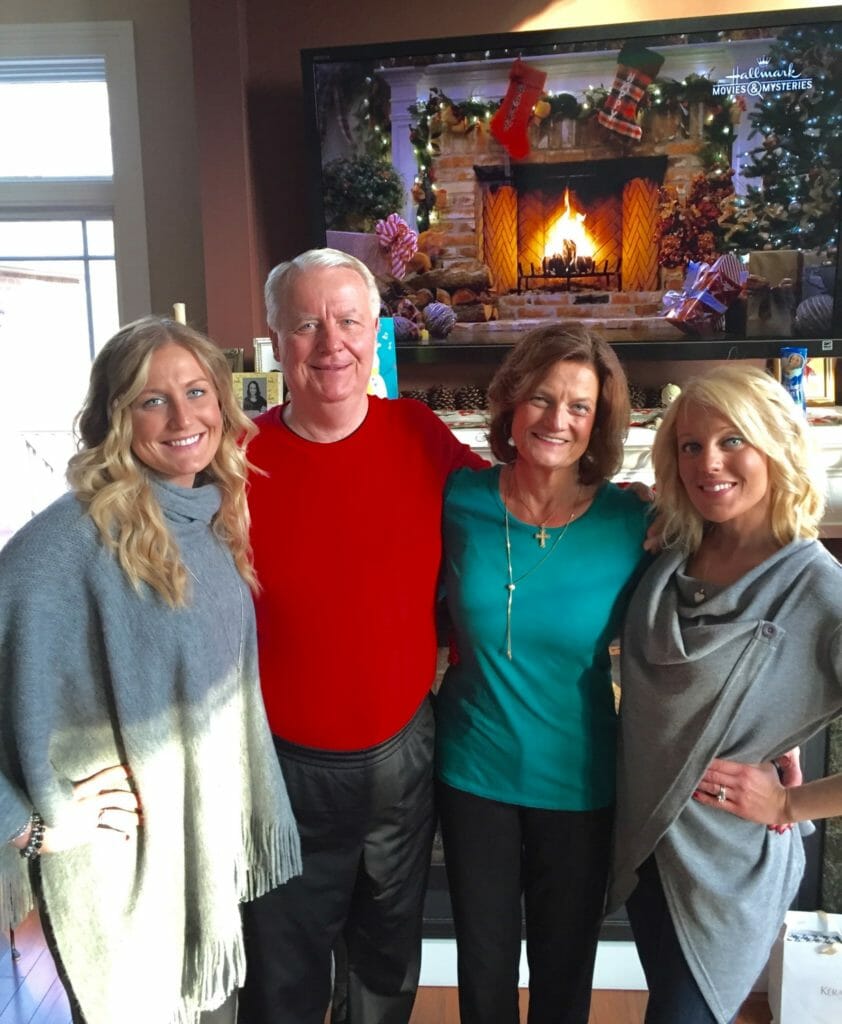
(281,279)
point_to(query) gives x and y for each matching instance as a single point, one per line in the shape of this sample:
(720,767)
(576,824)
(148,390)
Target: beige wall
(167,109)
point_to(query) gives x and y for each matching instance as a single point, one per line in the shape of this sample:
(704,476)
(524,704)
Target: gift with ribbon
(708,291)
(399,241)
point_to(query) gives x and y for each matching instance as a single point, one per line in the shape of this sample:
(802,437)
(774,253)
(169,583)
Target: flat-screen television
(674,182)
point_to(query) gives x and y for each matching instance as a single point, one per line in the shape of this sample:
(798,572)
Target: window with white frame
(73,255)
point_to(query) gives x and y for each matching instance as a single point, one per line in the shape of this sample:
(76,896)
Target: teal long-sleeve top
(537,730)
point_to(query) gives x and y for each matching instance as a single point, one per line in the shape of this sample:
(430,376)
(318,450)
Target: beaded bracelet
(36,838)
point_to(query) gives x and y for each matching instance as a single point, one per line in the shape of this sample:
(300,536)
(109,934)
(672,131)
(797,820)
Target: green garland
(432,117)
(439,113)
(722,114)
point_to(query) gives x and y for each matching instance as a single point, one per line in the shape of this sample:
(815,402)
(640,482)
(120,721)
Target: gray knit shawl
(747,674)
(94,673)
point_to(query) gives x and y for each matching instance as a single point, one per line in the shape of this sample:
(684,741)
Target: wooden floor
(30,992)
(439,1006)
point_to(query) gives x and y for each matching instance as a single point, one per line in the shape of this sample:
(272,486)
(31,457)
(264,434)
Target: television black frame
(520,43)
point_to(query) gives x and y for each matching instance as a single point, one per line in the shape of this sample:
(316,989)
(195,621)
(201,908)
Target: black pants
(366,822)
(558,861)
(673,993)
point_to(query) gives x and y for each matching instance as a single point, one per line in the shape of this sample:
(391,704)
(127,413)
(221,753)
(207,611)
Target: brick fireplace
(496,211)
(502,213)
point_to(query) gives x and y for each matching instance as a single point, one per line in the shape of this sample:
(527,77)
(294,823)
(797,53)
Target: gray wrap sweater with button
(748,673)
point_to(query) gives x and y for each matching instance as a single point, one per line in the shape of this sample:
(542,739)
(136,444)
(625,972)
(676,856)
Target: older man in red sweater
(346,510)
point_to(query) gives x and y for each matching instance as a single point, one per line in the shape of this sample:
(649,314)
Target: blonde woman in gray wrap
(140,797)
(732,652)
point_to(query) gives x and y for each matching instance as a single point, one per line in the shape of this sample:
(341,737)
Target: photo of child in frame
(254,397)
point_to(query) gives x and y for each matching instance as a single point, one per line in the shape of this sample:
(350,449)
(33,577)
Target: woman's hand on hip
(751,791)
(104,808)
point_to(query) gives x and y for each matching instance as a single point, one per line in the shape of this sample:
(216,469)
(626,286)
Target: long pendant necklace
(512,583)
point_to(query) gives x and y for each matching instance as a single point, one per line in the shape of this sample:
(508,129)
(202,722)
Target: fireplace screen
(571,226)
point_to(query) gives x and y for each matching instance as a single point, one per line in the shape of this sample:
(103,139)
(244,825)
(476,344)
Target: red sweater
(347,547)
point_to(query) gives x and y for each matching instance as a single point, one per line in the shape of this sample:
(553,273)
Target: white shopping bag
(805,969)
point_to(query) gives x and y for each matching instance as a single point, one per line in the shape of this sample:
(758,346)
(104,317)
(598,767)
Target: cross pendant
(541,536)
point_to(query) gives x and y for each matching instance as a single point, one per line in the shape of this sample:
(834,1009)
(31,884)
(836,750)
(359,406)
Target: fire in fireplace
(571,225)
(568,240)
(568,260)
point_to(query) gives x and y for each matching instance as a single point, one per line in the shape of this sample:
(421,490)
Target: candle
(179,313)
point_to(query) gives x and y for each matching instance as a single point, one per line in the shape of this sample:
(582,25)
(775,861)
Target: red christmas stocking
(637,67)
(508,126)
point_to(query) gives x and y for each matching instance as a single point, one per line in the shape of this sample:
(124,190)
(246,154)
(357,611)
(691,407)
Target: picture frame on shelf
(820,385)
(257,392)
(264,357)
(235,357)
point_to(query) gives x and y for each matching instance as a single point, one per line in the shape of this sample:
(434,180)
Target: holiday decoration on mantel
(434,117)
(636,69)
(509,124)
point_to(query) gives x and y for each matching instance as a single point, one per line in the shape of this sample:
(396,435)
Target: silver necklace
(512,583)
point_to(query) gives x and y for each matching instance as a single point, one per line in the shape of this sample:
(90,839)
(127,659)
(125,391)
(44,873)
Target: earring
(511,443)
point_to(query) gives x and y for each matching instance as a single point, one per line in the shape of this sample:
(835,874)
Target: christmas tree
(799,157)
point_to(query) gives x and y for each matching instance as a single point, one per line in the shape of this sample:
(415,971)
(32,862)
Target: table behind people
(732,651)
(541,554)
(346,533)
(137,775)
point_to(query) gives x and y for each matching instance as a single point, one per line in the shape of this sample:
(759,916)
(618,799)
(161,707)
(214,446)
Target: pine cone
(637,396)
(471,397)
(442,398)
(420,394)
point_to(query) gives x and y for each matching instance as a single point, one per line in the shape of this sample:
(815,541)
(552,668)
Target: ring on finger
(721,795)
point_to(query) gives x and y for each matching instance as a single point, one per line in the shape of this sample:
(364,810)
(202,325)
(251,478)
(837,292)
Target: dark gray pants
(366,822)
(674,994)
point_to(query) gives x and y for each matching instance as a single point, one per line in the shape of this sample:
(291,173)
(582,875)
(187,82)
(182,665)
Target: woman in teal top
(541,555)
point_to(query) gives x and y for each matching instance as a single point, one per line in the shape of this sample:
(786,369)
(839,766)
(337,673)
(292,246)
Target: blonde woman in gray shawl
(732,650)
(140,797)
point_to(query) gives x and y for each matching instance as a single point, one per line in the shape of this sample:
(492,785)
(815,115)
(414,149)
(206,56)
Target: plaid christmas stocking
(636,68)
